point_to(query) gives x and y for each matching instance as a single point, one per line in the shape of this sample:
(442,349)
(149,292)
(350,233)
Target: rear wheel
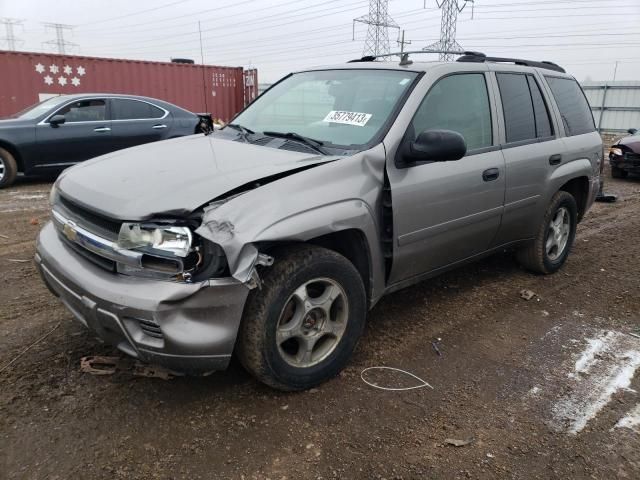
(618,172)
(8,168)
(302,326)
(551,247)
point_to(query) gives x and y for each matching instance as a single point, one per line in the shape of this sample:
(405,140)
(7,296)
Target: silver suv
(273,237)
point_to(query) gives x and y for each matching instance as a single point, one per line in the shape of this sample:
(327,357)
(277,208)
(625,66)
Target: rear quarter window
(574,108)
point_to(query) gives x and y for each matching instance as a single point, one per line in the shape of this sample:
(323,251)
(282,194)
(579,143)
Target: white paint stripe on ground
(631,420)
(606,365)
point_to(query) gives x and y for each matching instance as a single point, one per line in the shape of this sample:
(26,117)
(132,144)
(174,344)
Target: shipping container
(27,78)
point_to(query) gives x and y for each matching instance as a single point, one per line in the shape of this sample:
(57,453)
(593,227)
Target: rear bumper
(188,328)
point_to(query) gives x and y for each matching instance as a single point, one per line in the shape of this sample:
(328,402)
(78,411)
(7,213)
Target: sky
(587,37)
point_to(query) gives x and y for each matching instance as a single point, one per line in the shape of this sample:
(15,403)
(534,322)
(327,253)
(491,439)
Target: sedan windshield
(34,111)
(336,107)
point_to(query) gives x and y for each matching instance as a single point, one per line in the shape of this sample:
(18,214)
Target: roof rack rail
(404,56)
(477,57)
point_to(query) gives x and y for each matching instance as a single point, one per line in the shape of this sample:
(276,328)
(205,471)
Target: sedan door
(135,122)
(85,133)
(445,212)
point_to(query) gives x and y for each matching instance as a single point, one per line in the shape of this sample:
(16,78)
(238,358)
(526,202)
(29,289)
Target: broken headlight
(170,240)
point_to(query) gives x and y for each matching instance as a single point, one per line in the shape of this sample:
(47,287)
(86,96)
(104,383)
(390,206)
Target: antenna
(204,76)
(379,22)
(60,43)
(448,23)
(10,40)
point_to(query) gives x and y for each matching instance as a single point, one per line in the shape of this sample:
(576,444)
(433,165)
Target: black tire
(535,257)
(8,168)
(257,348)
(618,173)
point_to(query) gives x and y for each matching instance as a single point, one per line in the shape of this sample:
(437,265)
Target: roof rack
(477,57)
(468,56)
(404,56)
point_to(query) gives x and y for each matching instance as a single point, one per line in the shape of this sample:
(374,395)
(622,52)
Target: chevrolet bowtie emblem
(70,232)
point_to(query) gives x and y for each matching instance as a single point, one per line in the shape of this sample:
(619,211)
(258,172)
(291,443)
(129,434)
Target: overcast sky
(276,36)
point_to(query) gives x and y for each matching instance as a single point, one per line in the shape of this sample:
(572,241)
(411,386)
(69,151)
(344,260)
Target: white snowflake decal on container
(75,81)
(62,81)
(81,71)
(67,70)
(48,80)
(54,69)
(40,68)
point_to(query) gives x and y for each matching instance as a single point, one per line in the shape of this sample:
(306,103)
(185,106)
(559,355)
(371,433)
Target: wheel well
(352,245)
(579,188)
(13,151)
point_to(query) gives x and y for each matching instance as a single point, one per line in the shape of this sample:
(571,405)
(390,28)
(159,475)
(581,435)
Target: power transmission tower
(60,43)
(10,39)
(447,42)
(379,22)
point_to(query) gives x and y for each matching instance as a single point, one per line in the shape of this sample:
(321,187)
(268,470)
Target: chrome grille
(102,226)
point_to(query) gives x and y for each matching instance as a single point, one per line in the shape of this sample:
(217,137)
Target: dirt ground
(544,388)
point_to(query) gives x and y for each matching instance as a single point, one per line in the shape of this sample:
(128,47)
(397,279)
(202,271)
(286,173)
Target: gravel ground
(544,388)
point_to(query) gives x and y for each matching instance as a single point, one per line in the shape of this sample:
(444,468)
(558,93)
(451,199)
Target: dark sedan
(624,156)
(62,131)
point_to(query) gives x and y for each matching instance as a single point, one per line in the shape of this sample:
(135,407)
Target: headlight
(616,151)
(169,239)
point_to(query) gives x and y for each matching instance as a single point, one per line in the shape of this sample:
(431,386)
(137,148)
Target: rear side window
(574,108)
(543,124)
(460,103)
(517,107)
(123,109)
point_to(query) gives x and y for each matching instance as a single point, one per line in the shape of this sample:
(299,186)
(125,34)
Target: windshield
(337,107)
(34,111)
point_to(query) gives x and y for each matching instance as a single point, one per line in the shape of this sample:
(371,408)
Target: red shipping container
(27,78)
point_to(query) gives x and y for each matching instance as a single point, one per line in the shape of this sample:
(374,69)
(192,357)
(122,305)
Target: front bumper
(627,162)
(189,328)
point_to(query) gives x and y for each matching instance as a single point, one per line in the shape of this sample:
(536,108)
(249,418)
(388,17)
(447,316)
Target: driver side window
(460,103)
(84,111)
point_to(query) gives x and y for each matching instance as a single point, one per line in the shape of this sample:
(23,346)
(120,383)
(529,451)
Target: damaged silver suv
(273,237)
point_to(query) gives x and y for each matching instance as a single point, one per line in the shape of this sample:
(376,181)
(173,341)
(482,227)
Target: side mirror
(632,131)
(435,146)
(57,120)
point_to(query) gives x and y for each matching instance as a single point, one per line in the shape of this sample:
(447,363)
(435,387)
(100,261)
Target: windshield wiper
(243,130)
(311,142)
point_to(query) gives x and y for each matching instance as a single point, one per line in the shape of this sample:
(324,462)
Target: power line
(379,22)
(10,39)
(60,43)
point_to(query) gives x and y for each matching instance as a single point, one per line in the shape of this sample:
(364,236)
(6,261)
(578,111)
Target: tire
(540,256)
(8,168)
(618,173)
(277,324)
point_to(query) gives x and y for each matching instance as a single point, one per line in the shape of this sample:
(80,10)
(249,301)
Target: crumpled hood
(174,177)
(632,141)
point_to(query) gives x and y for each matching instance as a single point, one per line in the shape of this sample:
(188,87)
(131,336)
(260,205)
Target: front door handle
(158,127)
(102,129)
(490,174)
(555,159)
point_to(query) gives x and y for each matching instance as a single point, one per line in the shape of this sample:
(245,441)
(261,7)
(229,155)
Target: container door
(85,134)
(135,122)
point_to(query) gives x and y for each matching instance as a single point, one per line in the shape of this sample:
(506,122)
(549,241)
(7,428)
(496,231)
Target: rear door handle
(490,174)
(102,129)
(157,127)
(555,159)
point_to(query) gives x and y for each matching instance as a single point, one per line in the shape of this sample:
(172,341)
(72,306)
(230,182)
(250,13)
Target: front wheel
(302,326)
(8,168)
(551,247)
